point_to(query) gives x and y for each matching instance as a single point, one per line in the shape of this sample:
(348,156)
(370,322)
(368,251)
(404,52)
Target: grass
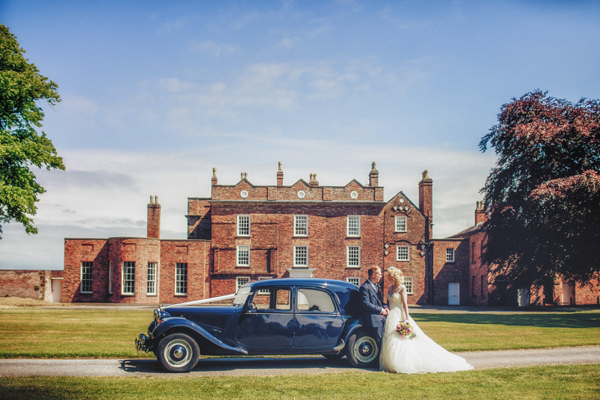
(37,332)
(560,382)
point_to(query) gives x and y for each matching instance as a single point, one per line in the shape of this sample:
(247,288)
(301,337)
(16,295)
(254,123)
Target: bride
(419,354)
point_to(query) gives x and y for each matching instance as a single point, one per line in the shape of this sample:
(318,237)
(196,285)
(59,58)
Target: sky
(155,94)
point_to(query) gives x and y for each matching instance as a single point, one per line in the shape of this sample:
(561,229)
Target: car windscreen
(241,296)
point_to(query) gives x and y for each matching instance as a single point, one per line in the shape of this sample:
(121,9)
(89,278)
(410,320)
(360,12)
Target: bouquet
(406,330)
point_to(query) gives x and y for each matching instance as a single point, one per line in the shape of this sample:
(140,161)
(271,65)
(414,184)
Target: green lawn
(76,332)
(557,382)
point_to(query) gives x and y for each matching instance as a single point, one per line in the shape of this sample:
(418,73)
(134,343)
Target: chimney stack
(214,179)
(426,197)
(374,175)
(481,215)
(153,218)
(279,175)
(313,180)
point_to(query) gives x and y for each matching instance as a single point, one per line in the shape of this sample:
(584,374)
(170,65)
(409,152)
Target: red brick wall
(450,272)
(195,254)
(478,272)
(24,283)
(85,250)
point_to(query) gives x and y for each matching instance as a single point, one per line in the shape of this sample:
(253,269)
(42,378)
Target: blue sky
(155,94)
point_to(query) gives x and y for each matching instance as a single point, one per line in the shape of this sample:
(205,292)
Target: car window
(272,298)
(314,300)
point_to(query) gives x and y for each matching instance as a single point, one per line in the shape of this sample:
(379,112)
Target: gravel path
(268,366)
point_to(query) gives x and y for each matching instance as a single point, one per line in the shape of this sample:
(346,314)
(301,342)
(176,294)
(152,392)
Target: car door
(319,322)
(267,324)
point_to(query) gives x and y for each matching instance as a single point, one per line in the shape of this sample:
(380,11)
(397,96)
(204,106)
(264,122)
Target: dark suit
(372,306)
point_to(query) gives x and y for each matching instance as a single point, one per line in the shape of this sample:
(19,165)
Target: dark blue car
(275,316)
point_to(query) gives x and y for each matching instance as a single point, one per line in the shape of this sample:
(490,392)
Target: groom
(373,311)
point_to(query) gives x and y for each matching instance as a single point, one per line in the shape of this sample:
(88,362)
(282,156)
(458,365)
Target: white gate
(454,294)
(568,293)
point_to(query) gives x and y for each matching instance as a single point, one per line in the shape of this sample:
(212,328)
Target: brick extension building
(246,232)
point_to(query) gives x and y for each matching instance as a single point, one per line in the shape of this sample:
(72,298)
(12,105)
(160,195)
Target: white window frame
(353,226)
(239,259)
(86,277)
(450,255)
(300,225)
(398,258)
(410,286)
(127,277)
(354,258)
(400,223)
(355,280)
(264,278)
(243,225)
(296,255)
(181,280)
(240,281)
(151,278)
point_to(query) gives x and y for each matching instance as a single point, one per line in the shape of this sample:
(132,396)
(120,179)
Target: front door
(568,293)
(268,324)
(454,294)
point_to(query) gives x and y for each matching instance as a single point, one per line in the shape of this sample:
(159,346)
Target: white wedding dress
(417,355)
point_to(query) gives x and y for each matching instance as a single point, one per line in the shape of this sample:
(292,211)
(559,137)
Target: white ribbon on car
(189,303)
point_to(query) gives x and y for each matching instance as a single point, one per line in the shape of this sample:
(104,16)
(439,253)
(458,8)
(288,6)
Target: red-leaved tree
(544,193)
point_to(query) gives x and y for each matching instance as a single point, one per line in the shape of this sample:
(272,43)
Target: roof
(333,284)
(468,232)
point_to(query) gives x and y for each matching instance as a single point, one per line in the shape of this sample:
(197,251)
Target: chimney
(279,175)
(481,215)
(374,175)
(214,179)
(426,195)
(244,175)
(154,218)
(313,180)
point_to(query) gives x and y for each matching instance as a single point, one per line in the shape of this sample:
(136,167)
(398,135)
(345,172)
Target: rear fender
(177,324)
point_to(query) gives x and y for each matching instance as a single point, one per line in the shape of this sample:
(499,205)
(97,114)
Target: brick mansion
(245,232)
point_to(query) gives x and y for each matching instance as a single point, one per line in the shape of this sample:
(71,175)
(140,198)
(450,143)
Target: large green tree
(544,193)
(22,147)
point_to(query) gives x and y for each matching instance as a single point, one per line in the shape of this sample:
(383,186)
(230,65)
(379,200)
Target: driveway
(270,366)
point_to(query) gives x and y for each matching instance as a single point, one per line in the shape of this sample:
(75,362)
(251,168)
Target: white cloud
(215,49)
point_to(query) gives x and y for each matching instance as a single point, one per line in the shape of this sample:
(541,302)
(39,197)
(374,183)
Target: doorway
(454,294)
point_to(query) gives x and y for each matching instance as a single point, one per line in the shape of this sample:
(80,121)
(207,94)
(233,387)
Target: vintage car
(275,316)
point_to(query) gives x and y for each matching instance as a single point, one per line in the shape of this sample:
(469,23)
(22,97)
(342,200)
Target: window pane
(86,277)
(128,277)
(353,256)
(449,255)
(181,278)
(408,283)
(243,256)
(300,256)
(243,225)
(400,224)
(314,300)
(353,225)
(353,280)
(151,286)
(240,281)
(402,253)
(301,225)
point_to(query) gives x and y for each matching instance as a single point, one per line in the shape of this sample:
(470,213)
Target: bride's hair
(396,276)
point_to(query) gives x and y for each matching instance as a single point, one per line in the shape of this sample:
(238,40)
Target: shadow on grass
(591,320)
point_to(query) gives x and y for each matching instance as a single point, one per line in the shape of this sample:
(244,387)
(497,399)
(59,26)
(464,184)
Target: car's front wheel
(178,353)
(362,350)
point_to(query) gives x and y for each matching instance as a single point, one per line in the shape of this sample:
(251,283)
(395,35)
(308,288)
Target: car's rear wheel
(362,350)
(178,353)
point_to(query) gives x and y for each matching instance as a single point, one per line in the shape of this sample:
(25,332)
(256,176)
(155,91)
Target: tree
(21,146)
(544,193)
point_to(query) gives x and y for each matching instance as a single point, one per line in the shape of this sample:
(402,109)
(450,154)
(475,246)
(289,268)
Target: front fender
(176,323)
